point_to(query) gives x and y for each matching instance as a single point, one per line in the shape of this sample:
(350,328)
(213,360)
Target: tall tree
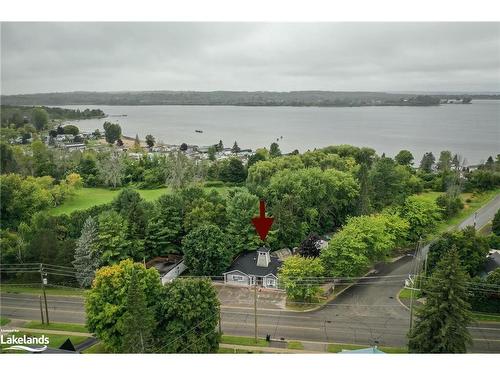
(212,151)
(111,167)
(427,162)
(112,239)
(241,208)
(232,170)
(205,251)
(188,315)
(40,118)
(472,249)
(442,321)
(404,157)
(150,140)
(274,150)
(106,303)
(445,161)
(87,256)
(236,149)
(220,146)
(112,132)
(138,320)
(180,170)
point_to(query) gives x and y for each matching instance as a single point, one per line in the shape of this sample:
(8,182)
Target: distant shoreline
(241,98)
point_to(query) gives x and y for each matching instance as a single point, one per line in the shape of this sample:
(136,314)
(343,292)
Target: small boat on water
(198,131)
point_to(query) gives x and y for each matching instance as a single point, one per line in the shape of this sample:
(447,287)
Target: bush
(450,205)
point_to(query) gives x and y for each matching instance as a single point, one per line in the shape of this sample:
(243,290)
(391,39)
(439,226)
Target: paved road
(366,313)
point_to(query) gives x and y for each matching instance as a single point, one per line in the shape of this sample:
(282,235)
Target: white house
(258,267)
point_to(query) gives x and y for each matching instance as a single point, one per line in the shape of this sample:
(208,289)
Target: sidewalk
(267,349)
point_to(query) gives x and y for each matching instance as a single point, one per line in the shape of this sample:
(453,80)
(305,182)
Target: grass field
(240,340)
(88,197)
(486,317)
(297,345)
(477,200)
(4,321)
(55,326)
(6,288)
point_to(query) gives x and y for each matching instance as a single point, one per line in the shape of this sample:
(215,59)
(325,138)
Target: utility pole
(411,308)
(255,306)
(41,310)
(44,280)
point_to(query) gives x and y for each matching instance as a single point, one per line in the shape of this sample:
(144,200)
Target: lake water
(470,130)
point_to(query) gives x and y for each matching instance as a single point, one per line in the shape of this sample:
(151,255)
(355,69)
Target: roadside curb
(268,349)
(401,302)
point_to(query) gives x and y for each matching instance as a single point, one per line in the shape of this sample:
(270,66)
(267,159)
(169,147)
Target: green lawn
(55,341)
(85,198)
(88,197)
(6,288)
(337,348)
(55,326)
(241,340)
(488,317)
(4,321)
(477,200)
(296,345)
(406,293)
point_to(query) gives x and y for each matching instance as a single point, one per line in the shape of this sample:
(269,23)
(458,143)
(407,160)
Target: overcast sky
(55,57)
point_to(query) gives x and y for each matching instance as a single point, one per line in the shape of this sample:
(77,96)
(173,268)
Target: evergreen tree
(138,321)
(364,204)
(427,162)
(235,148)
(87,257)
(137,143)
(274,150)
(443,319)
(220,146)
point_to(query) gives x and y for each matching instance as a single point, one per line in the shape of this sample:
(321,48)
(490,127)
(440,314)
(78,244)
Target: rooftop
(247,263)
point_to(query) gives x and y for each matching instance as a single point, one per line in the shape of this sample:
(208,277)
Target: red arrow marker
(262,223)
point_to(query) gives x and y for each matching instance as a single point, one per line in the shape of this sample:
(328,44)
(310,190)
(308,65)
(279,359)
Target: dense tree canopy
(298,276)
(361,241)
(106,303)
(188,314)
(471,249)
(206,251)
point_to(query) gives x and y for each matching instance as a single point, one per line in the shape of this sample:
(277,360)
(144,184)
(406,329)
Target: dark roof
(247,263)
(492,262)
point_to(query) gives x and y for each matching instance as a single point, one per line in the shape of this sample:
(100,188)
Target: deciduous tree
(106,303)
(206,251)
(188,316)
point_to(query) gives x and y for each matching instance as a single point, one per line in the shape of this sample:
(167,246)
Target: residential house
(169,267)
(258,267)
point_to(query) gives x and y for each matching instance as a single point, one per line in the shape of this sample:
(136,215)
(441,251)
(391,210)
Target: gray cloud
(48,57)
